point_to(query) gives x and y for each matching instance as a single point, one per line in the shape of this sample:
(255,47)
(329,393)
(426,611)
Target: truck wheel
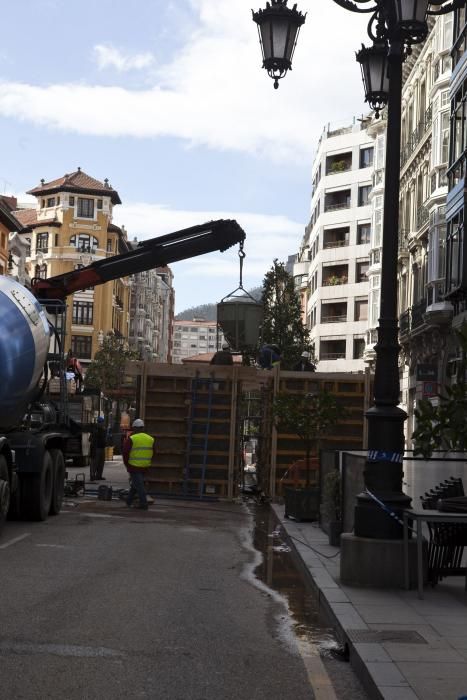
(36,491)
(58,462)
(4,490)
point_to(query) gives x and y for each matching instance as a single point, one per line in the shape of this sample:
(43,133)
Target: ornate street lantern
(410,17)
(240,316)
(278,29)
(374,64)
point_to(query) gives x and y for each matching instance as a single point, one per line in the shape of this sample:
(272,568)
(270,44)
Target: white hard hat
(138,423)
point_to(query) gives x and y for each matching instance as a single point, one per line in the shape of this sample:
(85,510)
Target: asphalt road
(105,602)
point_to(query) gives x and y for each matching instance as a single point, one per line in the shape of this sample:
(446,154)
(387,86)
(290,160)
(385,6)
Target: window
(366,157)
(42,242)
(361,270)
(83,312)
(51,202)
(43,204)
(363,195)
(81,346)
(40,271)
(361,310)
(85,208)
(84,243)
(99,203)
(71,201)
(109,245)
(358,348)
(363,233)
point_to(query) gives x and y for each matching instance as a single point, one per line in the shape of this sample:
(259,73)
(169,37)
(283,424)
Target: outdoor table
(418,517)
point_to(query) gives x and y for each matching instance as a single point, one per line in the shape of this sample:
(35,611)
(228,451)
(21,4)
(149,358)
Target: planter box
(302,504)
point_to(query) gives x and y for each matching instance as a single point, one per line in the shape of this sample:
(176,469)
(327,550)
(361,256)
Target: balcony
(334,280)
(339,163)
(423,216)
(335,201)
(336,238)
(334,319)
(403,242)
(417,312)
(404,322)
(416,136)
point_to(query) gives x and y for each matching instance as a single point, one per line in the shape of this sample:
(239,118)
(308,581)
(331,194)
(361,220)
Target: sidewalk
(402,648)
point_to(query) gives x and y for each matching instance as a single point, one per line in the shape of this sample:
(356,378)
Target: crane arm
(156,252)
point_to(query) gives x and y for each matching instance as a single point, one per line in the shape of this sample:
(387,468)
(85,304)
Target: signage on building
(430,389)
(427,373)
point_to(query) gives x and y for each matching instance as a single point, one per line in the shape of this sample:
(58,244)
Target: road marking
(317,675)
(15,540)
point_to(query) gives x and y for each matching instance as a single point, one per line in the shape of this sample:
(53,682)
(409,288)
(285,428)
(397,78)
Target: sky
(167,99)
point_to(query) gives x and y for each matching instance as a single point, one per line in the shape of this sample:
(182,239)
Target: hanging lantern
(240,316)
(374,64)
(278,28)
(411,19)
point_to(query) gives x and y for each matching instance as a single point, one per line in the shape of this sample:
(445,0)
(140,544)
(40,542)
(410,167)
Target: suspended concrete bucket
(240,317)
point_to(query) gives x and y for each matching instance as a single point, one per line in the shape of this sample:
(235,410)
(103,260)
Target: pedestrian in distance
(304,364)
(222,357)
(137,453)
(98,445)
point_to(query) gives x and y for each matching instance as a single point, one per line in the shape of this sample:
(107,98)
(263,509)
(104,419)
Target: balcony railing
(416,135)
(417,312)
(422,216)
(404,322)
(334,319)
(332,356)
(334,280)
(403,245)
(336,207)
(336,244)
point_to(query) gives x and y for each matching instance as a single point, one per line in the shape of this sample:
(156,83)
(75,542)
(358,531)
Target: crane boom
(155,252)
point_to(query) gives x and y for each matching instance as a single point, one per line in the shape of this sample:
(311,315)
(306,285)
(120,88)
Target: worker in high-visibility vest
(137,454)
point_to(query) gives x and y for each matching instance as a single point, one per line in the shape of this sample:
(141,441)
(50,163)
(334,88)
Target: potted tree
(331,508)
(310,416)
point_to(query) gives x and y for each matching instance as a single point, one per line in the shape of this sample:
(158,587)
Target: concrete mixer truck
(35,426)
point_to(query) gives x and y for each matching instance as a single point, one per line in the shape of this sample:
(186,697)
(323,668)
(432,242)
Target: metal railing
(422,216)
(404,322)
(334,319)
(336,207)
(332,356)
(336,244)
(403,245)
(417,311)
(416,136)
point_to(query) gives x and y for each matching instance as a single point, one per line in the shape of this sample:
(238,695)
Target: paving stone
(423,652)
(397,693)
(391,613)
(371,652)
(386,673)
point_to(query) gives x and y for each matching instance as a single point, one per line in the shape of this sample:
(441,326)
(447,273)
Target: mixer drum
(24,344)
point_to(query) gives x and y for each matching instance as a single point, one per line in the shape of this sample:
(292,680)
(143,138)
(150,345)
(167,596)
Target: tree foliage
(310,416)
(282,321)
(107,370)
(442,426)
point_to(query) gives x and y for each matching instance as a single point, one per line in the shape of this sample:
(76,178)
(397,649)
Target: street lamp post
(394,26)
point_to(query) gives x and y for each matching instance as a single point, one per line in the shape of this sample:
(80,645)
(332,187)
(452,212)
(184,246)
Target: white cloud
(208,278)
(213,92)
(108,56)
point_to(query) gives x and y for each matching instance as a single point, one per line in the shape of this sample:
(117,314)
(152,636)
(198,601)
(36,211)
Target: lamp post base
(370,520)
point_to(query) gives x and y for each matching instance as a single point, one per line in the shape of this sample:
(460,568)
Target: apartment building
(70,227)
(425,312)
(8,223)
(196,337)
(332,265)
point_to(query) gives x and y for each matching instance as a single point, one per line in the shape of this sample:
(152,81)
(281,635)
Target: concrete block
(376,563)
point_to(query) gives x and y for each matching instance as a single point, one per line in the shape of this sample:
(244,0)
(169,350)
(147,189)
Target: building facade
(196,337)
(331,270)
(70,227)
(8,224)
(425,313)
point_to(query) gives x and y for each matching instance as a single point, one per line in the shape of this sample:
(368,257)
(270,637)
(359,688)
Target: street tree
(106,372)
(282,321)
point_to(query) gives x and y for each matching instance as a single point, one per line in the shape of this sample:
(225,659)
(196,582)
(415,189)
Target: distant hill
(209,311)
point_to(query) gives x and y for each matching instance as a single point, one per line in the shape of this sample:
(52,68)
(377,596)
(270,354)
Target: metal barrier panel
(352,466)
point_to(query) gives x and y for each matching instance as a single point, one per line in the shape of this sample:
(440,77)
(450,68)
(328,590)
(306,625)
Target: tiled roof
(26,217)
(79,182)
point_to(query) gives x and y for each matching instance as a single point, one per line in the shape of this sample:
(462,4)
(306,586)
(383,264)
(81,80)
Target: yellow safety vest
(142,446)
